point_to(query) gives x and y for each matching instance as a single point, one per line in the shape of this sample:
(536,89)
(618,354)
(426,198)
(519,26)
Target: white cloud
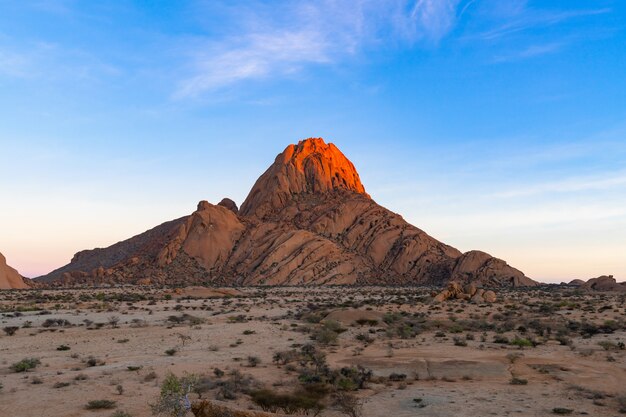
(322,32)
(261,55)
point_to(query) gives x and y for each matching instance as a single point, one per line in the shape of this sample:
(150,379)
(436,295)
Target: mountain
(10,278)
(307,220)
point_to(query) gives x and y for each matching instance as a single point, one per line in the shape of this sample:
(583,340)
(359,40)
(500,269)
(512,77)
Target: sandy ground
(442,379)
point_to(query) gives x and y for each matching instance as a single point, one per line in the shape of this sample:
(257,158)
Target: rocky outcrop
(603,283)
(480,267)
(10,279)
(307,220)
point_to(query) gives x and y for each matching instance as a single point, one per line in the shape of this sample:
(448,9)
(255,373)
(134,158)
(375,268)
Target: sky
(492,125)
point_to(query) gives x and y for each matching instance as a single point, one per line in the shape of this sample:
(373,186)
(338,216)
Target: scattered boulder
(489,296)
(469,292)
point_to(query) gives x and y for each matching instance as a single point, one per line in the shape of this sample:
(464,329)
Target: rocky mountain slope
(307,220)
(10,278)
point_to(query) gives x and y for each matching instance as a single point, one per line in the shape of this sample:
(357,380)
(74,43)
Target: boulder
(489,296)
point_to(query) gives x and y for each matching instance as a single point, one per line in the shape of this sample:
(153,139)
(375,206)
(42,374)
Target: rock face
(310,167)
(9,278)
(307,220)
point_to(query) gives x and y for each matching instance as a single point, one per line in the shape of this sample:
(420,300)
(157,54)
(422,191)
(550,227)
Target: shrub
(25,365)
(63,347)
(100,405)
(518,381)
(289,403)
(325,336)
(253,361)
(173,400)
(348,404)
(459,341)
(521,342)
(10,330)
(171,352)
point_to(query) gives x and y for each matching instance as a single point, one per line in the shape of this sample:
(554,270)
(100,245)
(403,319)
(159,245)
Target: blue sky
(493,125)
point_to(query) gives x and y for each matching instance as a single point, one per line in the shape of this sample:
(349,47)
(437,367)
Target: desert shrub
(369,322)
(235,383)
(56,323)
(206,408)
(63,347)
(93,361)
(100,405)
(391,317)
(171,352)
(173,399)
(608,345)
(25,365)
(348,404)
(285,357)
(186,319)
(290,403)
(10,330)
(253,361)
(325,336)
(500,339)
(521,342)
(562,411)
(518,381)
(397,377)
(459,341)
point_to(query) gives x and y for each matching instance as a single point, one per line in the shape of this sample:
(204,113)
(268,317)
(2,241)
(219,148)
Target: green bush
(521,342)
(173,400)
(25,365)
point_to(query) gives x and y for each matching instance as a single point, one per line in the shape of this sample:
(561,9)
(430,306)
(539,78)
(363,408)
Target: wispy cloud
(525,18)
(608,181)
(318,33)
(434,18)
(531,51)
(259,56)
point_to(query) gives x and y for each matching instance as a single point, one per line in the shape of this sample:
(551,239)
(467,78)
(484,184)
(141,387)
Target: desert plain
(331,351)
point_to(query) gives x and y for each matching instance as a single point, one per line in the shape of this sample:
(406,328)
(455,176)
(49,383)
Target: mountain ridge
(306,220)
